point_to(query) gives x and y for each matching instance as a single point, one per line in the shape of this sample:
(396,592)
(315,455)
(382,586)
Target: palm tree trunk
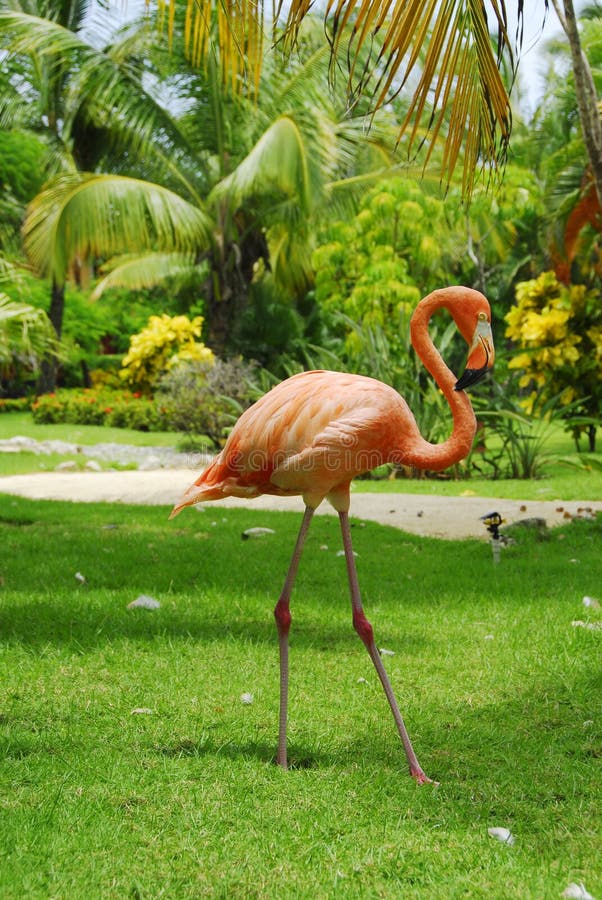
(587,101)
(49,366)
(227,288)
(591,438)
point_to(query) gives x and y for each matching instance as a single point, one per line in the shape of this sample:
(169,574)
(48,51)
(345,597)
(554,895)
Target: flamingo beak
(480,356)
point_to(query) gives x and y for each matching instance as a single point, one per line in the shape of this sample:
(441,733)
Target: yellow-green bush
(165,341)
(558,330)
(119,409)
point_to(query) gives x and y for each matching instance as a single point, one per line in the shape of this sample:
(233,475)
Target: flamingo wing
(309,435)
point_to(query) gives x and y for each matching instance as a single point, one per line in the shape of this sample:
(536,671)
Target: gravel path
(444,517)
(110,453)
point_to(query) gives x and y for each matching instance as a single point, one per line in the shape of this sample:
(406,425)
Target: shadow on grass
(298,756)
(523,745)
(40,623)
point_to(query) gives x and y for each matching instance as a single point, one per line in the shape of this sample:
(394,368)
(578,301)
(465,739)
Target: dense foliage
(200,398)
(281,226)
(166,341)
(559,330)
(120,409)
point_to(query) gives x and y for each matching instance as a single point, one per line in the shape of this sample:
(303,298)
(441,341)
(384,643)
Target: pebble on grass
(257,532)
(144,602)
(504,835)
(576,892)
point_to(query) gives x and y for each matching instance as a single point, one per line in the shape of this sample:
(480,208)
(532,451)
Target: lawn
(565,477)
(21,423)
(131,767)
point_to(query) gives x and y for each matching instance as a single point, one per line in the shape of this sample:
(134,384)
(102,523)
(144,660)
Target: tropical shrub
(375,267)
(165,341)
(25,336)
(558,329)
(522,437)
(200,398)
(119,409)
(139,413)
(14,404)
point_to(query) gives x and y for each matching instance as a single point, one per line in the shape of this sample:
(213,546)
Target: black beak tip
(470,378)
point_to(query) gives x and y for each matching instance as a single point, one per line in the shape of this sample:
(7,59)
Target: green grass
(12,424)
(502,696)
(564,477)
(26,462)
(570,484)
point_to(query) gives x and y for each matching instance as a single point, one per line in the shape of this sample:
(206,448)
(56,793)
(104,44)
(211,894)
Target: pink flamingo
(313,433)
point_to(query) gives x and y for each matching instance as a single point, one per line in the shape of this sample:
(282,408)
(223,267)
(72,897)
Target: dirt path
(445,517)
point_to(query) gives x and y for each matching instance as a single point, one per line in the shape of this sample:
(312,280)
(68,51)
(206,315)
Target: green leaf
(88,216)
(142,270)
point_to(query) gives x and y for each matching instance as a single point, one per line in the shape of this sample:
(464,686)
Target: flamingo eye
(482,317)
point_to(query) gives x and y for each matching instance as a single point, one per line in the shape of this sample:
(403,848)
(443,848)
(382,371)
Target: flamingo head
(473,318)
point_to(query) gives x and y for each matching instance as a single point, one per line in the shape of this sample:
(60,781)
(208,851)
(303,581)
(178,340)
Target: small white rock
(247,699)
(150,463)
(323,546)
(591,602)
(68,466)
(591,626)
(80,578)
(362,681)
(488,637)
(256,533)
(141,711)
(144,602)
(384,652)
(93,466)
(576,892)
(504,835)
(342,553)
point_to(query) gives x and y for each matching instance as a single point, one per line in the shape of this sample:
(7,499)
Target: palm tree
(90,105)
(557,150)
(439,54)
(266,178)
(26,333)
(585,90)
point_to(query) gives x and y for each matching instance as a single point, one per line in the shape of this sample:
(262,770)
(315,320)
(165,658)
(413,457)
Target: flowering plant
(558,331)
(165,341)
(119,409)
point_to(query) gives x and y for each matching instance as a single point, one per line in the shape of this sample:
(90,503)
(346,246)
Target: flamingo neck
(423,454)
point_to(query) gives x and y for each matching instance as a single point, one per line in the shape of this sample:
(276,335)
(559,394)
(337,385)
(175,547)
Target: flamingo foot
(419,776)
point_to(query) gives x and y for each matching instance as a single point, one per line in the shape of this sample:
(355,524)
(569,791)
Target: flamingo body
(312,434)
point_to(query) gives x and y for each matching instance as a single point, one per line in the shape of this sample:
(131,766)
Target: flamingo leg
(364,630)
(283,621)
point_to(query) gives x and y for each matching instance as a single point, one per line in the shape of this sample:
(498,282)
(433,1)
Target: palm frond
(106,88)
(26,333)
(28,34)
(439,53)
(288,158)
(90,216)
(140,271)
(446,46)
(239,46)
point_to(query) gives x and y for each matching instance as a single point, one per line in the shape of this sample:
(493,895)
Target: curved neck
(458,445)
